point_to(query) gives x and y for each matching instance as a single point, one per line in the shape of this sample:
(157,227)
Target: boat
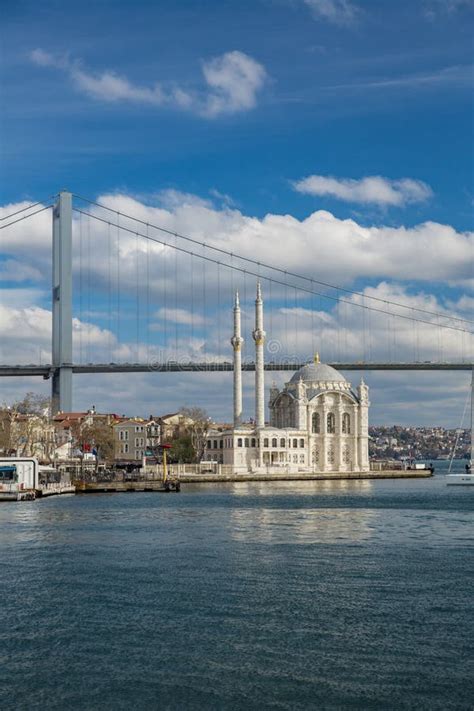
(465,478)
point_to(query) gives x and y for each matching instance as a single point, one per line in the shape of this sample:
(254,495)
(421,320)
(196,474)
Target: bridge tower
(61,394)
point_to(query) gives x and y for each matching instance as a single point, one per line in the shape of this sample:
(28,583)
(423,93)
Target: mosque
(318,423)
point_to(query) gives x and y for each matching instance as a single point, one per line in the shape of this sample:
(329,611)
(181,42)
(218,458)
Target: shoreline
(156,485)
(328,476)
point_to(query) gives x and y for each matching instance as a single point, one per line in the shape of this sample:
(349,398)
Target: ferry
(18,479)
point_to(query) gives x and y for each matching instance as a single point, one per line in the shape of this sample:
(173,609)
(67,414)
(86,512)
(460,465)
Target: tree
(25,428)
(182,450)
(196,428)
(100,436)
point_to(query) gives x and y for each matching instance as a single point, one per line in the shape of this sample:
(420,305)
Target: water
(314,595)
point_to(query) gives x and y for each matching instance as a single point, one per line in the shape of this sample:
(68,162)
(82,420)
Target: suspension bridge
(131,294)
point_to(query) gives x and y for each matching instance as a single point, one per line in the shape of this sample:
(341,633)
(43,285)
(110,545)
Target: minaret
(259,338)
(237,342)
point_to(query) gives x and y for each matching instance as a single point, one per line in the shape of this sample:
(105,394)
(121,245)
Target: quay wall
(304,476)
(156,485)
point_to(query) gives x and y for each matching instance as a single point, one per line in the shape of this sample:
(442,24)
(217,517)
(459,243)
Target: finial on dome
(316,358)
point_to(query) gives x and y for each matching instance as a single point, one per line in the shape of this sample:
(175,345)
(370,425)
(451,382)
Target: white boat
(466,478)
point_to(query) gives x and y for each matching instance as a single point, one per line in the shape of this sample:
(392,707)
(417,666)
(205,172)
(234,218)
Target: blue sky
(271,107)
(317,111)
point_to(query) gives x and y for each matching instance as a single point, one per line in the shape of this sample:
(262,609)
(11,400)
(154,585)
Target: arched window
(295,443)
(282,442)
(265,442)
(221,444)
(239,442)
(215,444)
(316,422)
(253,442)
(208,443)
(346,423)
(246,441)
(274,442)
(301,442)
(331,423)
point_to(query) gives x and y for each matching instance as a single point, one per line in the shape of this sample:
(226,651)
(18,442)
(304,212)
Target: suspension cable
(30,207)
(269,266)
(25,217)
(280,282)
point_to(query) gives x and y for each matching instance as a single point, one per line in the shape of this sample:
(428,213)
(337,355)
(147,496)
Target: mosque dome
(317,373)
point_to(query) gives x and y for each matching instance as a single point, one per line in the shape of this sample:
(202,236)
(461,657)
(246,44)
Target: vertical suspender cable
(218,311)
(204,321)
(137,297)
(119,340)
(192,302)
(81,286)
(147,297)
(176,297)
(109,289)
(89,268)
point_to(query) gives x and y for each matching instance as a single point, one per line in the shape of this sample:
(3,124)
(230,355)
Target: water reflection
(268,525)
(302,488)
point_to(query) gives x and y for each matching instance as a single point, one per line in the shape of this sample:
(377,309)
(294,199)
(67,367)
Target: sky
(330,138)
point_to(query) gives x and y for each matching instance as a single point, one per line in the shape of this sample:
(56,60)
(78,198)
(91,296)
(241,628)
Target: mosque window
(282,442)
(301,442)
(215,444)
(274,442)
(221,444)
(239,442)
(295,443)
(253,442)
(331,423)
(295,459)
(346,423)
(302,458)
(316,423)
(265,442)
(208,443)
(246,441)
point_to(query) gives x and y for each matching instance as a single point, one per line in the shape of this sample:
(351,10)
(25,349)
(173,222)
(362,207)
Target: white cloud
(233,81)
(340,12)
(458,76)
(320,246)
(372,189)
(182,316)
(13,270)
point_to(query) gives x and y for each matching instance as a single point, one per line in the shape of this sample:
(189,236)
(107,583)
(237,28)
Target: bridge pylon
(61,393)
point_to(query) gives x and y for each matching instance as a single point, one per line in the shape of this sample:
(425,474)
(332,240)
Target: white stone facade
(317,423)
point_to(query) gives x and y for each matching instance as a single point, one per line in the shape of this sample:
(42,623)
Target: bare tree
(197,427)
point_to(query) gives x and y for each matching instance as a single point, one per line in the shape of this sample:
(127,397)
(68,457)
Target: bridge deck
(46,371)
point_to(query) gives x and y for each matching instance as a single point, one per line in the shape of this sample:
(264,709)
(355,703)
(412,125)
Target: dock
(91,487)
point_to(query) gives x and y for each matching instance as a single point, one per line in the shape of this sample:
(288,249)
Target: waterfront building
(134,437)
(318,422)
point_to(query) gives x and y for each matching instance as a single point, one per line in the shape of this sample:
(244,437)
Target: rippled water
(315,595)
